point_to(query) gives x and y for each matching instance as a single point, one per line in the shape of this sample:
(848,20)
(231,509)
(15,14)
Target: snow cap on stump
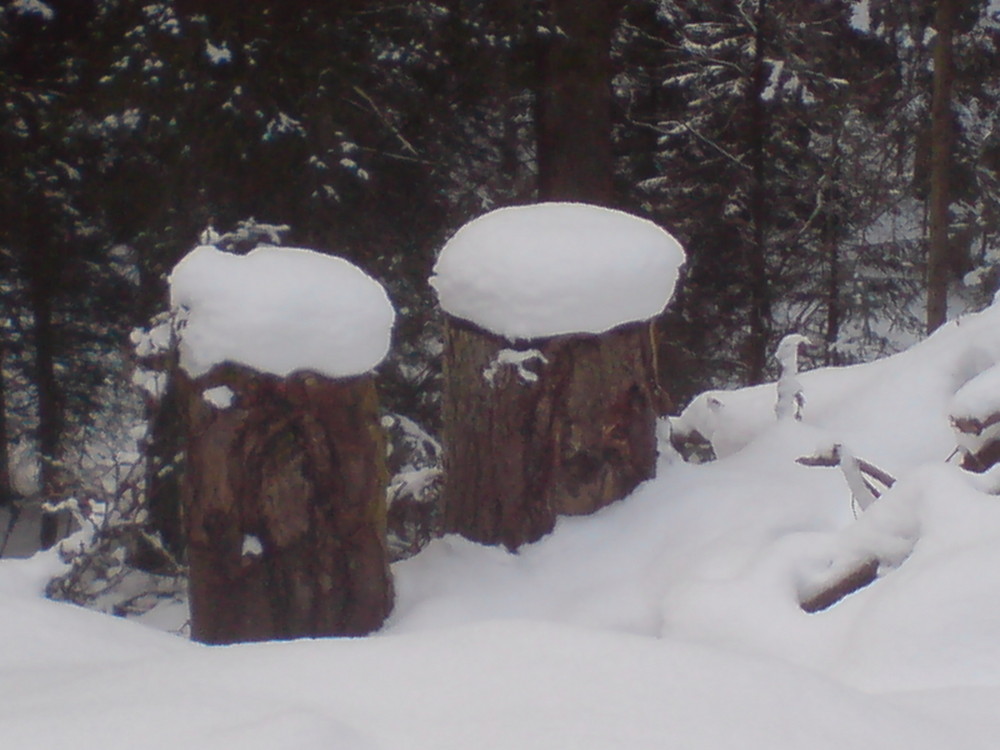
(556,268)
(279,310)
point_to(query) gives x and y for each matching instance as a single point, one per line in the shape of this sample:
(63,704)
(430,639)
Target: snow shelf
(279,310)
(555,268)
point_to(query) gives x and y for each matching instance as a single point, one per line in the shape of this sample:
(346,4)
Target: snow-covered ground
(670,619)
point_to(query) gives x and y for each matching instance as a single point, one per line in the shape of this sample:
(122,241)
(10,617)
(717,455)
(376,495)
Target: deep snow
(670,619)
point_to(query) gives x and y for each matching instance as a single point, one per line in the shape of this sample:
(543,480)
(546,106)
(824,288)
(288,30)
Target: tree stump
(551,389)
(284,505)
(564,425)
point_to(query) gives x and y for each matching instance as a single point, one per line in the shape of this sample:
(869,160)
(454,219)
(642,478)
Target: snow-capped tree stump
(285,477)
(550,396)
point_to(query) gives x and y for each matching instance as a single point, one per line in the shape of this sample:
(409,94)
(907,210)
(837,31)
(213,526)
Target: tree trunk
(6,489)
(830,238)
(519,451)
(284,507)
(760,294)
(573,102)
(833,304)
(50,407)
(938,251)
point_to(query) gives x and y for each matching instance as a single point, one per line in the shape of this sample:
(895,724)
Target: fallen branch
(854,470)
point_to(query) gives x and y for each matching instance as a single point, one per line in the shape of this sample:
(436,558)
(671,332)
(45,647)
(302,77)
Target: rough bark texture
(298,464)
(520,452)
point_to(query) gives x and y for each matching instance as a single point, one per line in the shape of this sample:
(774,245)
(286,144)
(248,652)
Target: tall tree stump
(551,385)
(284,488)
(284,506)
(566,426)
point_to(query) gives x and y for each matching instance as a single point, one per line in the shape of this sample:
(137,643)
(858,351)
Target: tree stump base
(284,506)
(564,425)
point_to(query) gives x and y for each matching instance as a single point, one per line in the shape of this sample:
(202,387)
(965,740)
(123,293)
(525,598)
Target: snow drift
(671,618)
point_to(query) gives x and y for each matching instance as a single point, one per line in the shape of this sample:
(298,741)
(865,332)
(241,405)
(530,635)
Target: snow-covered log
(839,585)
(551,393)
(975,417)
(285,477)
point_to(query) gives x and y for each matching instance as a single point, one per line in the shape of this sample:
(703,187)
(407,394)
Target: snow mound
(555,268)
(279,310)
(953,373)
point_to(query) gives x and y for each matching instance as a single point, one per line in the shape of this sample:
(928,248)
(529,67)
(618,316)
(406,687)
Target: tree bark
(519,452)
(759,319)
(284,507)
(573,102)
(942,136)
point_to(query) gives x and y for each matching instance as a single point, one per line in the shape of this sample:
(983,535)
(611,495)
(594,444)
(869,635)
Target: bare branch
(854,579)
(385,119)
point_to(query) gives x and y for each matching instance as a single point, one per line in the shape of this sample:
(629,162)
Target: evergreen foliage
(785,143)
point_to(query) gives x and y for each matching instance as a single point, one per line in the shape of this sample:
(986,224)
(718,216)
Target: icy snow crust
(670,619)
(279,310)
(555,268)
